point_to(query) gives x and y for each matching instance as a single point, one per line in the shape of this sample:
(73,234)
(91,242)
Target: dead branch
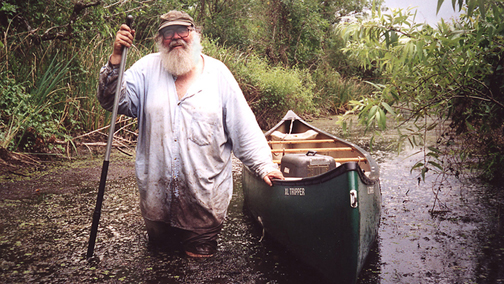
(124,128)
(91,144)
(124,152)
(121,119)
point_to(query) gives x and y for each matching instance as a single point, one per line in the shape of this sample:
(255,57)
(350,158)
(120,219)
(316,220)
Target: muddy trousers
(203,241)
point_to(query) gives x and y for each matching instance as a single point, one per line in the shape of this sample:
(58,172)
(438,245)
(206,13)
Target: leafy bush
(333,91)
(31,111)
(448,75)
(270,91)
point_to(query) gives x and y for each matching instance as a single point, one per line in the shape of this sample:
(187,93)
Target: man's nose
(176,36)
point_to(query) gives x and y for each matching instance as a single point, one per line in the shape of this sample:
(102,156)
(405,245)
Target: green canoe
(328,221)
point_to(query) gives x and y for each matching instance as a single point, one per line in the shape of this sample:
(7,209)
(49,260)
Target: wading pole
(103,179)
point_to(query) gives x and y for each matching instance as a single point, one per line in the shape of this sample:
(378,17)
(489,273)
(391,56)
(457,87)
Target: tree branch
(79,6)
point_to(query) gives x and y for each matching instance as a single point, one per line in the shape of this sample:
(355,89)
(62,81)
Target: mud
(44,240)
(46,220)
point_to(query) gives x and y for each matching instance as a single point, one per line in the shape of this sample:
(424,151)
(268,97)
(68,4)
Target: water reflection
(448,246)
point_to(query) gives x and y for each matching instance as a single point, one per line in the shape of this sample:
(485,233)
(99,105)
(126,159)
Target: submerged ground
(44,237)
(46,220)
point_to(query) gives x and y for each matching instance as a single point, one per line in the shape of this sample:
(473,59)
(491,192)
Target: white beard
(181,60)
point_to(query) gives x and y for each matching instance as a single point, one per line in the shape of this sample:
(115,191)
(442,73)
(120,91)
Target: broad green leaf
(432,154)
(469,125)
(424,170)
(432,126)
(372,112)
(376,85)
(382,119)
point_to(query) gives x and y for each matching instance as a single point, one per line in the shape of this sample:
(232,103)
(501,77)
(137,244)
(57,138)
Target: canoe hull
(315,220)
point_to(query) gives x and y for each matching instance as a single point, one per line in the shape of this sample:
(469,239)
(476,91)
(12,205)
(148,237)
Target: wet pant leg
(163,235)
(201,241)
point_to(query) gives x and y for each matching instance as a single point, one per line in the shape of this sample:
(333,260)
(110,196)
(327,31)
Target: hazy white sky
(426,9)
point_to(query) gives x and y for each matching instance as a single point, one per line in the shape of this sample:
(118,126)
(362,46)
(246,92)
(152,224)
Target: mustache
(178,42)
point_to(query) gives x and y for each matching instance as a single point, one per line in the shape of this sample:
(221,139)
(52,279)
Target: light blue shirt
(183,155)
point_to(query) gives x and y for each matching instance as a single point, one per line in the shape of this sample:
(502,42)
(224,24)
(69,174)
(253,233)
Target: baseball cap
(175,18)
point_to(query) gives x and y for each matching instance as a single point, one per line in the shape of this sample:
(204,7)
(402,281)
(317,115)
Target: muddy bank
(60,176)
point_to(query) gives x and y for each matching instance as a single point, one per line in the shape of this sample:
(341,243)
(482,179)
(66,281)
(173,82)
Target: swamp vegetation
(51,53)
(314,57)
(451,75)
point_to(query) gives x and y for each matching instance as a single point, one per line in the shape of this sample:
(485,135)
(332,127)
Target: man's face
(176,37)
(180,49)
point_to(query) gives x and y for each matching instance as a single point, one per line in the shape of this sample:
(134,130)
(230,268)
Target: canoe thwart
(301,141)
(357,159)
(305,150)
(339,160)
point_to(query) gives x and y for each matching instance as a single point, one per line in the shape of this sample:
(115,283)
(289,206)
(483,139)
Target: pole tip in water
(94,259)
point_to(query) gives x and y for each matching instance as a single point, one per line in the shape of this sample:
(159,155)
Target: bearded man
(192,116)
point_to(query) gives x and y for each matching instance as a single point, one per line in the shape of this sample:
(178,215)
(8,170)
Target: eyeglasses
(169,32)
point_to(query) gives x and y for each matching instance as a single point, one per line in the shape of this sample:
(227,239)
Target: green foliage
(229,22)
(291,33)
(452,72)
(31,111)
(8,8)
(334,91)
(267,88)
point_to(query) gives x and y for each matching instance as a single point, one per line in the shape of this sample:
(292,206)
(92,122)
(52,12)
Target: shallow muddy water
(43,239)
